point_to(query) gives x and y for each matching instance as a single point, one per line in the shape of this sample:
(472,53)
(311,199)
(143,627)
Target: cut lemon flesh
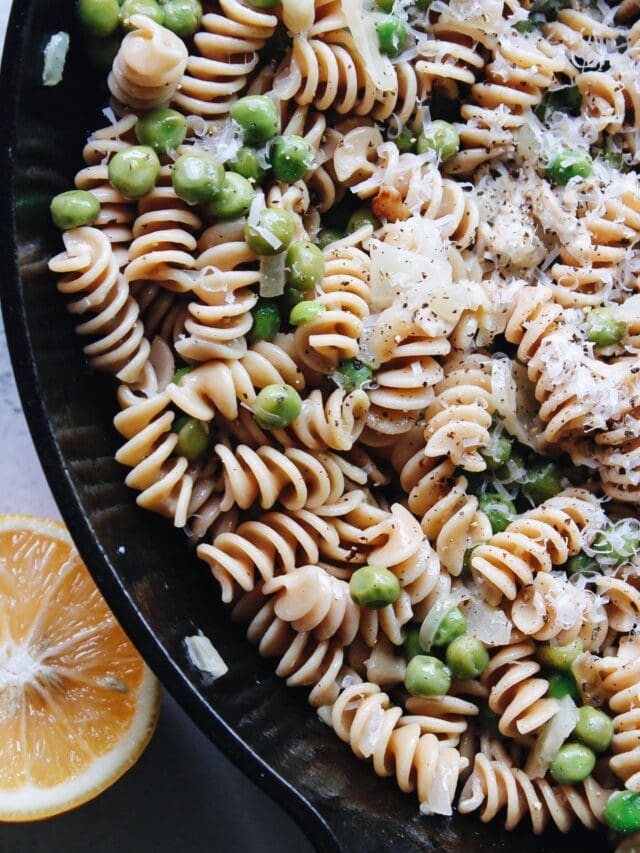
(77,703)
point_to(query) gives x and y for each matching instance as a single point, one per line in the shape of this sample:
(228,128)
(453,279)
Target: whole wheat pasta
(376,323)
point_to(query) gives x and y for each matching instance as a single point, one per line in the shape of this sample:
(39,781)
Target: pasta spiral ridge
(276,543)
(536,541)
(219,386)
(361,717)
(450,516)
(458,420)
(157,473)
(310,599)
(226,269)
(333,335)
(553,609)
(163,238)
(514,81)
(515,693)
(294,477)
(149,65)
(228,43)
(116,212)
(402,185)
(89,271)
(304,660)
(623,687)
(493,785)
(330,73)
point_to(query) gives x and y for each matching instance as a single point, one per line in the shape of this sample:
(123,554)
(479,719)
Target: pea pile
(102,18)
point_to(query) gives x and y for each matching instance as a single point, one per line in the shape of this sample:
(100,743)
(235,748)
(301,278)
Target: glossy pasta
(376,324)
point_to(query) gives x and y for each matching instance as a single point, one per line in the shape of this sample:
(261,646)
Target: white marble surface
(183,794)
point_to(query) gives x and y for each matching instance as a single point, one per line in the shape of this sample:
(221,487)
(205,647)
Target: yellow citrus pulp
(77,703)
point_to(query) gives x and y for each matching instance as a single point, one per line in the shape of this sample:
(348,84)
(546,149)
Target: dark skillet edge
(132,620)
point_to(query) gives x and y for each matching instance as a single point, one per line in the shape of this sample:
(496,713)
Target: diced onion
(439,801)
(586,672)
(371,732)
(629,310)
(298,15)
(204,655)
(552,735)
(513,395)
(434,617)
(55,56)
(363,29)
(324,712)
(487,624)
(272,275)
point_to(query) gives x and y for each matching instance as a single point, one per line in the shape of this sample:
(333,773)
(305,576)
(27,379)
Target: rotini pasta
(384,372)
(148,67)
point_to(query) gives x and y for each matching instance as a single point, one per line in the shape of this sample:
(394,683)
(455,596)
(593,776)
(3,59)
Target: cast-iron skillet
(156,587)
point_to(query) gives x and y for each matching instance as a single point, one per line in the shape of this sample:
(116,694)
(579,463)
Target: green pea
(466,560)
(182,17)
(563,684)
(374,587)
(614,159)
(140,7)
(526,26)
(622,812)
(193,437)
(385,5)
(277,406)
(363,216)
(543,482)
(412,645)
(305,312)
(180,372)
(291,157)
(582,564)
(197,178)
(594,729)
(498,510)
(326,236)
(233,199)
(264,4)
(497,452)
(392,35)
(305,266)
(292,297)
(467,657)
(427,676)
(406,141)
(99,17)
(134,171)
(452,626)
(614,546)
(603,328)
(441,137)
(74,208)
(423,4)
(280,226)
(567,164)
(258,118)
(247,163)
(560,657)
(266,320)
(572,763)
(163,130)
(352,374)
